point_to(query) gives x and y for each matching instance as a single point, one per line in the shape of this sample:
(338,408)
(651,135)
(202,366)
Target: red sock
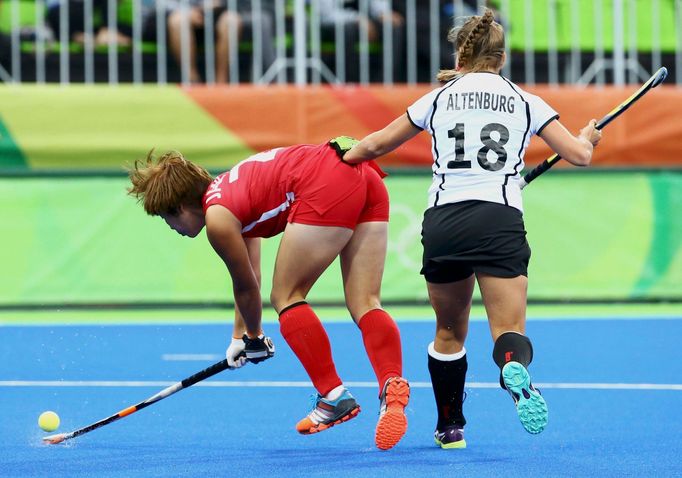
(304,333)
(382,343)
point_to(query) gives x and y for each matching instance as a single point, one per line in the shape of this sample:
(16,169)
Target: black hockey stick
(651,83)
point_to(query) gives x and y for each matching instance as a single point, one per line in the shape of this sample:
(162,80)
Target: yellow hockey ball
(48,421)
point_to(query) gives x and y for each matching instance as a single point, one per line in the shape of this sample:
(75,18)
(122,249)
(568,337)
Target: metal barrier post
(434,37)
(40,41)
(112,50)
(411,45)
(529,55)
(16,42)
(137,42)
(552,55)
(64,43)
(161,53)
(209,42)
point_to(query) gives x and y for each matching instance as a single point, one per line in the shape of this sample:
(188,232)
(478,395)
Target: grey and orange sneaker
(450,437)
(327,413)
(392,423)
(530,405)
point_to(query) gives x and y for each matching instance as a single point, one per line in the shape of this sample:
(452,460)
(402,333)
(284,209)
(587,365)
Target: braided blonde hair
(479,44)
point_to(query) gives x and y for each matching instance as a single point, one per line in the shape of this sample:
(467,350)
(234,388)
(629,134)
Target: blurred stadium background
(89,86)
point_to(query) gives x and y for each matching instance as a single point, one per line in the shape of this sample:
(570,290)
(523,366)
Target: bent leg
(304,253)
(505,304)
(362,267)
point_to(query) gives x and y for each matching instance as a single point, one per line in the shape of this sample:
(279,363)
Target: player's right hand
(258,349)
(591,133)
(342,144)
(235,355)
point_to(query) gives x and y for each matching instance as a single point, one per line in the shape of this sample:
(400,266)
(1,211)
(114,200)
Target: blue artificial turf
(245,431)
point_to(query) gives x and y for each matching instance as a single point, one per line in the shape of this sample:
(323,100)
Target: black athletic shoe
(450,437)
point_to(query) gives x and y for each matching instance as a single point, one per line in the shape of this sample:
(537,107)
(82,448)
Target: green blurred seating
(588,37)
(27,14)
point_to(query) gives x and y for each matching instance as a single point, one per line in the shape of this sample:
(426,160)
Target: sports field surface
(610,374)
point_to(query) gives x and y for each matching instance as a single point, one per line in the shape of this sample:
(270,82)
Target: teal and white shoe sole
(530,405)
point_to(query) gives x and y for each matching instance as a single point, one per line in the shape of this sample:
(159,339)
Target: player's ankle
(335,393)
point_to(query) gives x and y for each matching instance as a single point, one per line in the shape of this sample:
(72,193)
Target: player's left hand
(342,144)
(235,355)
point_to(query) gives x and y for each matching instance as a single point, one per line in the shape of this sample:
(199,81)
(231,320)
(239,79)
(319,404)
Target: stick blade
(54,439)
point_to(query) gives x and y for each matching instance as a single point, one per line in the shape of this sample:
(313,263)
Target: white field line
(303,384)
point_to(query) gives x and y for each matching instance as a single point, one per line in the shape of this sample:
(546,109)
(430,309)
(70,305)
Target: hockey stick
(166,392)
(651,83)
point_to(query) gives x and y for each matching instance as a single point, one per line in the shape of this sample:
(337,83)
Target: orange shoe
(327,413)
(392,423)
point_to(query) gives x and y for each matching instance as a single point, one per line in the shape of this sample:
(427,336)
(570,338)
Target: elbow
(585,157)
(580,157)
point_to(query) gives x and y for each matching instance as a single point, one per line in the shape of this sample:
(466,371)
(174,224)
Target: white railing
(294,41)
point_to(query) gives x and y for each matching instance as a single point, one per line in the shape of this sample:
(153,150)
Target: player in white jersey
(473,230)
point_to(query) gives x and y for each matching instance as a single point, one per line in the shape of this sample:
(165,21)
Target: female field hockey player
(325,208)
(473,230)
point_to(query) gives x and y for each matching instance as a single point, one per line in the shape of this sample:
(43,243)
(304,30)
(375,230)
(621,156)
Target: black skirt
(473,236)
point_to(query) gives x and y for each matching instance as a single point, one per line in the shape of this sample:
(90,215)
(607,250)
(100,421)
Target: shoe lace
(313,399)
(317,414)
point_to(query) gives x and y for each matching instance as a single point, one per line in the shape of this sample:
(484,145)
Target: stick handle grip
(539,169)
(205,373)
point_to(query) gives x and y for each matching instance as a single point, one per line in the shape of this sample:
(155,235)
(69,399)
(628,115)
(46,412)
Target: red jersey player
(325,208)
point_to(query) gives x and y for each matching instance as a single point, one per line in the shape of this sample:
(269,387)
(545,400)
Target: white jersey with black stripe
(480,124)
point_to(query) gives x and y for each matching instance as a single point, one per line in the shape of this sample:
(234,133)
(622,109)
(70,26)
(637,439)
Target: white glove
(235,355)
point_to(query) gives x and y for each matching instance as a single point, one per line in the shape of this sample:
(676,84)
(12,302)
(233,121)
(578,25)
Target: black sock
(447,379)
(512,347)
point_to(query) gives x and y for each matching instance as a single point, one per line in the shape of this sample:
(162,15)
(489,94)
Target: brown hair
(479,44)
(167,183)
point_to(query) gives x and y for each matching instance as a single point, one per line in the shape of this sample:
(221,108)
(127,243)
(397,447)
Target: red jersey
(262,190)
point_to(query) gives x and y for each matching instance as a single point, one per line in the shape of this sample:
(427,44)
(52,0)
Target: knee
(281,298)
(275,299)
(449,334)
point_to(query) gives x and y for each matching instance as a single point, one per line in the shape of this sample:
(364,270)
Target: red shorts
(340,195)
